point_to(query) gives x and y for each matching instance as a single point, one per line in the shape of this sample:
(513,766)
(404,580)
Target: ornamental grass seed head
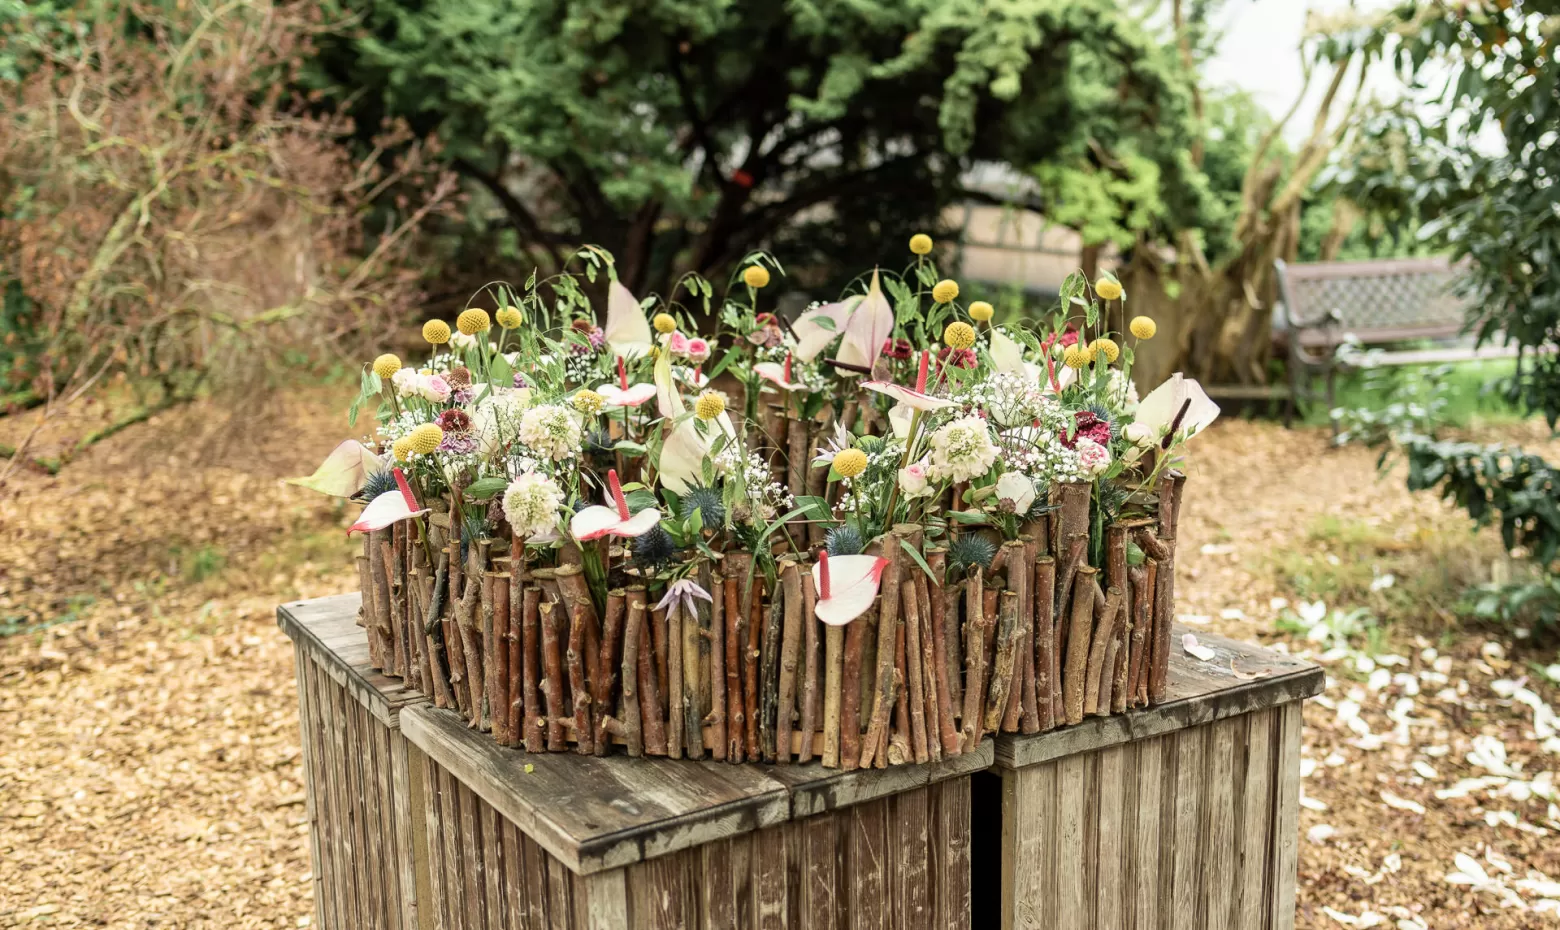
(981,311)
(473,321)
(436,332)
(1143,327)
(755,276)
(921,244)
(850,462)
(426,438)
(510,318)
(664,323)
(959,335)
(1108,289)
(709,406)
(387,365)
(1107,348)
(946,291)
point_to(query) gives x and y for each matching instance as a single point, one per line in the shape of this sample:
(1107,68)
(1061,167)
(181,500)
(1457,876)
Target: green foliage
(684,135)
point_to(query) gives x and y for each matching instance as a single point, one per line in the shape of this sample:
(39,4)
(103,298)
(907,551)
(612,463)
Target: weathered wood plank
(450,834)
(866,861)
(952,848)
(492,865)
(1286,818)
(1190,785)
(822,885)
(1070,891)
(815,790)
(326,628)
(1256,819)
(1218,859)
(1199,693)
(1151,808)
(1110,886)
(770,878)
(432,910)
(607,901)
(720,905)
(907,843)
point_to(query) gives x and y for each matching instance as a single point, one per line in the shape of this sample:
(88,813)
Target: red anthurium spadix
(614,519)
(917,398)
(389,507)
(846,586)
(624,394)
(777,374)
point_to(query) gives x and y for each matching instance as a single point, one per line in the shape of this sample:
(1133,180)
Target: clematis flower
(917,398)
(683,593)
(613,519)
(389,507)
(1176,410)
(871,322)
(778,375)
(1018,490)
(622,394)
(847,585)
(343,472)
(627,331)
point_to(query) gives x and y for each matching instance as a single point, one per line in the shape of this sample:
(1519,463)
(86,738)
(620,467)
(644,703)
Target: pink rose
(1093,458)
(677,344)
(698,351)
(435,389)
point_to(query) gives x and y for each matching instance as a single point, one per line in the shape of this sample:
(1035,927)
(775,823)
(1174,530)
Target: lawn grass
(1466,387)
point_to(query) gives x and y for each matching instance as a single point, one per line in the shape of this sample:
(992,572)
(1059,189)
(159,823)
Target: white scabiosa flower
(552,431)
(531,504)
(962,450)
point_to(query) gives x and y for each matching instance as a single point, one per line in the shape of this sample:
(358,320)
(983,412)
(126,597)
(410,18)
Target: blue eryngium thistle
(375,484)
(843,540)
(968,550)
(708,502)
(653,550)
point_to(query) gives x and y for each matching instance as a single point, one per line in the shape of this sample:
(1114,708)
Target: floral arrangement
(871,534)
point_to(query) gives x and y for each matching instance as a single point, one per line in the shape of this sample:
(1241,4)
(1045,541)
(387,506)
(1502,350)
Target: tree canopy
(680,136)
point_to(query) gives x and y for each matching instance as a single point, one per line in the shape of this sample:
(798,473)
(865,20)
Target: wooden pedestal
(1183,815)
(418,822)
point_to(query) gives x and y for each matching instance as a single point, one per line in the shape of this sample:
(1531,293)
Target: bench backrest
(1379,300)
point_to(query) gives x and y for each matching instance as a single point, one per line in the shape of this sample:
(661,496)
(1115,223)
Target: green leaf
(905,545)
(628,447)
(484,488)
(968,517)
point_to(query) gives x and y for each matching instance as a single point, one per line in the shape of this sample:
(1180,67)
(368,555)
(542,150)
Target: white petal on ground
(1321,833)
(1402,804)
(1197,650)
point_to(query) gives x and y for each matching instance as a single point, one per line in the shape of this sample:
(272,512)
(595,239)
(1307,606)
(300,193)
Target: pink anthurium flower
(614,519)
(777,374)
(917,398)
(623,394)
(871,323)
(343,472)
(389,507)
(846,585)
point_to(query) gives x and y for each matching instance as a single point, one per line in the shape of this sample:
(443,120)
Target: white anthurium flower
(870,323)
(1180,404)
(624,394)
(1017,488)
(813,336)
(778,374)
(389,507)
(343,472)
(1007,357)
(846,585)
(627,330)
(613,519)
(916,398)
(681,465)
(899,417)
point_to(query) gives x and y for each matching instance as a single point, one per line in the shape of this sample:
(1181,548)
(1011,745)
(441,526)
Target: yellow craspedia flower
(426,438)
(709,406)
(436,332)
(850,462)
(982,311)
(664,322)
(1077,357)
(387,365)
(921,244)
(1143,327)
(959,335)
(1107,348)
(510,318)
(945,291)
(588,402)
(1108,289)
(402,448)
(473,321)
(756,276)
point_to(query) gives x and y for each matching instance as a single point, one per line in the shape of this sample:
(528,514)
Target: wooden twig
(852,659)
(676,693)
(1170,486)
(633,633)
(501,675)
(834,691)
(1018,583)
(1046,683)
(809,711)
(531,668)
(752,601)
(1081,621)
(652,722)
(1009,640)
(915,685)
(466,620)
(552,680)
(736,623)
(888,624)
(943,675)
(717,679)
(974,658)
(605,685)
(1144,596)
(579,687)
(769,687)
(790,654)
(1105,613)
(1029,716)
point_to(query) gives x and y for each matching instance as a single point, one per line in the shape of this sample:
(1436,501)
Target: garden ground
(149,760)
